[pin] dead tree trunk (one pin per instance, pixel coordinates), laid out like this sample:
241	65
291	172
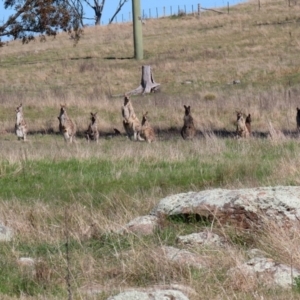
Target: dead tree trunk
148	85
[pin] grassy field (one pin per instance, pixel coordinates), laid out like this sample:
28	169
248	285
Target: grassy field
82	193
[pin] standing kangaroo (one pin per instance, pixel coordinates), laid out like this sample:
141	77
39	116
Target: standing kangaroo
188	130
20	126
248	124
131	123
92	133
66	125
241	127
298	119
147	131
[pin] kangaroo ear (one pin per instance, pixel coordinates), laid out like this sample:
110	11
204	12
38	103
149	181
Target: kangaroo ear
185	107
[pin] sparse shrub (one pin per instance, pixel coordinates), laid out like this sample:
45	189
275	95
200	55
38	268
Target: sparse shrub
297	284
210	97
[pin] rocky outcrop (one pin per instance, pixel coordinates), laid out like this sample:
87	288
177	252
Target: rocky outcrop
244	208
263	270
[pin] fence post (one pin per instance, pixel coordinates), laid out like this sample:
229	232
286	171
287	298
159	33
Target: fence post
149	13
185	9
228	7
199	10
156	13
192	9
178	9
171	10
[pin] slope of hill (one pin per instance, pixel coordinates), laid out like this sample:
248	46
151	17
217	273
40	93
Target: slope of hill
64	202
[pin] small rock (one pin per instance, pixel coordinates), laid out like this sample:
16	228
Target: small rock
183	257
6	234
143	225
202	238
26	261
266	270
156	295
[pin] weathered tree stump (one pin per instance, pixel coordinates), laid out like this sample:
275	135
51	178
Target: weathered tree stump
148	85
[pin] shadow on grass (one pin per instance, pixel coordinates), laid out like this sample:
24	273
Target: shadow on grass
114	57
167	133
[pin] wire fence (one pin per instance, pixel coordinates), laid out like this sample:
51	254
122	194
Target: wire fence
168	11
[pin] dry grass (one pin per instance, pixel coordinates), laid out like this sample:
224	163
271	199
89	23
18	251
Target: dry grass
195	61
211	52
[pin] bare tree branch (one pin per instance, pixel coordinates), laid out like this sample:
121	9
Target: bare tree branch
121	3
46	17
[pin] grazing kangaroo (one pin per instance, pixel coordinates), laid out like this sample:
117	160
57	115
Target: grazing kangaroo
298	119
131	123
188	130
147	131
66	125
241	128
92	133
248	124
20	126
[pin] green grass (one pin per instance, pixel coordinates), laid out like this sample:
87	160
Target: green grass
103	186
57	180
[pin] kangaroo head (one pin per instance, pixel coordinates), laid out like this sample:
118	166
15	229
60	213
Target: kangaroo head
248	119
239	115
187	110
93	117
19	108
126	99
298	110
62	108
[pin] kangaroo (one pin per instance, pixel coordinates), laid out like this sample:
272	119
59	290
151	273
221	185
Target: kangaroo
92	133
20	126
131	123
147	131
241	128
248	123
66	125
188	130
298	119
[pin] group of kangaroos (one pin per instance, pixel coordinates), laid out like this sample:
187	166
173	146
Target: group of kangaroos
135	130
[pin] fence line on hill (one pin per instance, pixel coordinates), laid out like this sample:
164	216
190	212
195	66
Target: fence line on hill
168	11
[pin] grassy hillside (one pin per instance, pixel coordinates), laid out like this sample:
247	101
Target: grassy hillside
258	47
51	191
